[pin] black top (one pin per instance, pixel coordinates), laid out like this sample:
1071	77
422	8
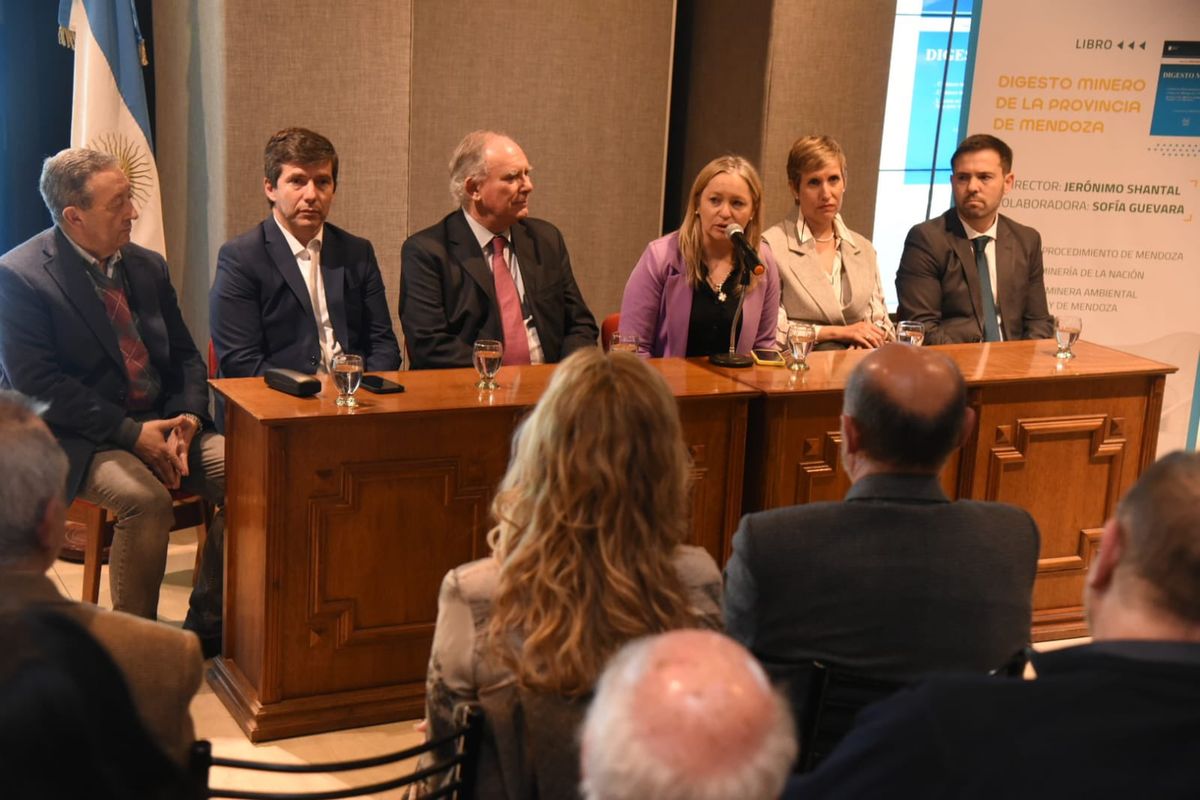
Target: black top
708	328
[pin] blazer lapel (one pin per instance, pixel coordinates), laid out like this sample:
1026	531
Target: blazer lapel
285	262
143	299
531	275
808	273
67	267
859	279
466	251
1007	282
333	273
966	262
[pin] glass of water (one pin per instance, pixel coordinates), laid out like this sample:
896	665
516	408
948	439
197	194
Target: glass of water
488	355
347	375
1066	332
910	332
801	337
623	343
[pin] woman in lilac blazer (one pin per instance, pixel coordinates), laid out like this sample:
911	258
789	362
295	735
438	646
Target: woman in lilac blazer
681	297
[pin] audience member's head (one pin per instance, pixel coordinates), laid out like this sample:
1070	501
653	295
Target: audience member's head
1145	581
33	476
68	725
905	410
588	518
686	715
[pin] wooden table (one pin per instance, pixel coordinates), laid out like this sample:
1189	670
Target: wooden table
342	522
1063	440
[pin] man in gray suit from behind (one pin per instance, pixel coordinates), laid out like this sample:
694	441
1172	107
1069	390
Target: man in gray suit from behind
895	581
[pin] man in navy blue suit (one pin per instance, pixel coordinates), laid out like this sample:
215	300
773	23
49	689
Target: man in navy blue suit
294	291
90	325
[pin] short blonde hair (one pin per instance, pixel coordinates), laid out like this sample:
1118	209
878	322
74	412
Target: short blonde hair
690	236
811	153
588	518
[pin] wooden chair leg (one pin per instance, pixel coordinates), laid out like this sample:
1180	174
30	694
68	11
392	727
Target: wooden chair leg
93	547
201	538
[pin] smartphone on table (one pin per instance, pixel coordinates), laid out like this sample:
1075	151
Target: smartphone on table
380	385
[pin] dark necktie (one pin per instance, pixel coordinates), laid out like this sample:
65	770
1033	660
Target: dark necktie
516	339
990	329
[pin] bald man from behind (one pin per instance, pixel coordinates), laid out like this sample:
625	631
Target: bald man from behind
686	715
895	581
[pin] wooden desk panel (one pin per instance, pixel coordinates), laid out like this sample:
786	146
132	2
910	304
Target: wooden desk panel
1062	440
342	522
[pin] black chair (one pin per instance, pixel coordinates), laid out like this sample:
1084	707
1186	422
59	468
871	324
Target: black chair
834	696
460	769
833	700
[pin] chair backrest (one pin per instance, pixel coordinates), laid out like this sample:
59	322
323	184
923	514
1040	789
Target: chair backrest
212	360
827	706
610	325
459	770
830	705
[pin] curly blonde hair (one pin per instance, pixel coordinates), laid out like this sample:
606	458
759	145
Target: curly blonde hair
588	518
691	239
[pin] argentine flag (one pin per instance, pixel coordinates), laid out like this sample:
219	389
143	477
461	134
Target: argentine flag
109	111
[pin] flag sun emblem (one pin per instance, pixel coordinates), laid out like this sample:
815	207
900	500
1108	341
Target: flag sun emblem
134	161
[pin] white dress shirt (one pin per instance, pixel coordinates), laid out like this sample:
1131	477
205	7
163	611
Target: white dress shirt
990	253
308	261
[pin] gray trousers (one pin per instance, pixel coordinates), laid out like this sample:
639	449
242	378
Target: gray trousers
122	483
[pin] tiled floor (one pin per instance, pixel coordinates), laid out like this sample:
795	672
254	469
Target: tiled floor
214	723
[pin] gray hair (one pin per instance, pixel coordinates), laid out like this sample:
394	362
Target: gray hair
468	161
33	471
617	764
65	176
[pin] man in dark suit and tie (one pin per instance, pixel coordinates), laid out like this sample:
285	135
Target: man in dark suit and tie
89	324
972	274
1119	717
895	581
294	291
489	270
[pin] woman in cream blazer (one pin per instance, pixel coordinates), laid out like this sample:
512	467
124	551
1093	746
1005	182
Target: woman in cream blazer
828	273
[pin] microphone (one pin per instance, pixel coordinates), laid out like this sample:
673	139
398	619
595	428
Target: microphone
750	258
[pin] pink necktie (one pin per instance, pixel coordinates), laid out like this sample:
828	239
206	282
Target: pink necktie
516	341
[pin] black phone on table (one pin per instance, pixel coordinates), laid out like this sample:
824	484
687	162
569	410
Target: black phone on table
380	385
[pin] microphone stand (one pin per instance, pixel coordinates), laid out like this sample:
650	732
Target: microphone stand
732	358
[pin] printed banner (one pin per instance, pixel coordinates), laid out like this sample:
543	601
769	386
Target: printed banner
1101	105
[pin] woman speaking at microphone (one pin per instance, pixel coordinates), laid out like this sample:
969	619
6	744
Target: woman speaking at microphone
683	294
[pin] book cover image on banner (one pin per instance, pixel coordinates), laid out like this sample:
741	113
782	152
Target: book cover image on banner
1177	100
1101	105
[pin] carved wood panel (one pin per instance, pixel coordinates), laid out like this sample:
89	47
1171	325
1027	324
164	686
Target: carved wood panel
433	512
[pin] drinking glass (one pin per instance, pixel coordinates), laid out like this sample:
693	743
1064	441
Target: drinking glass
801	337
347	375
1066	332
623	343
909	332
488	355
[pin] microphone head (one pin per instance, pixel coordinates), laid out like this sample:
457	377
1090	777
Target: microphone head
733	229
